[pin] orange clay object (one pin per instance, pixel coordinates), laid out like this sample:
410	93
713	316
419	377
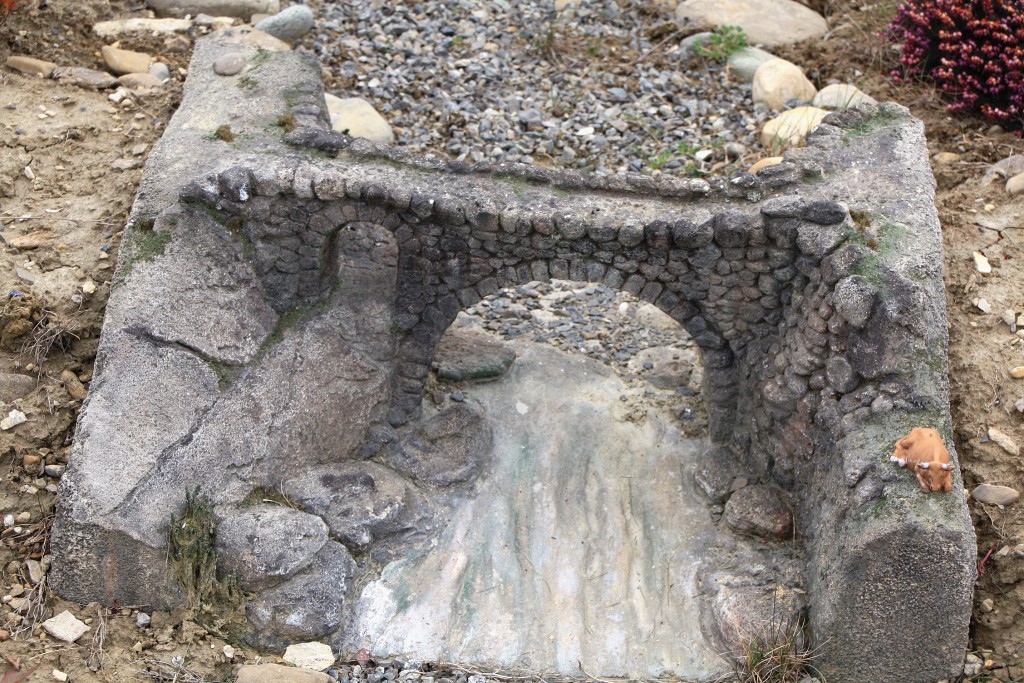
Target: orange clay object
923	452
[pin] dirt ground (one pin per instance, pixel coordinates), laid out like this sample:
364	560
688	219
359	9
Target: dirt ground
70	162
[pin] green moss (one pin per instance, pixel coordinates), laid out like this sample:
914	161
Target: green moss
260	58
880	120
144	245
883	241
225	372
193	559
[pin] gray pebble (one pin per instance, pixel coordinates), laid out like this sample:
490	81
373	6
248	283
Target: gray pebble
289	24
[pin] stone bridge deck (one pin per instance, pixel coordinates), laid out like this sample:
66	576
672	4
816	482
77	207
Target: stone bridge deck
283	288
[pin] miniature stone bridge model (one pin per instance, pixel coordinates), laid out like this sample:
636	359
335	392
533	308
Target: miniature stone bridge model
282	289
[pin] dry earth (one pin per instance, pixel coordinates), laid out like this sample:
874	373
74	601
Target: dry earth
63	205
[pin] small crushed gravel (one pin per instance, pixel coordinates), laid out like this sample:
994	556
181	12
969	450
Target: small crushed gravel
600	88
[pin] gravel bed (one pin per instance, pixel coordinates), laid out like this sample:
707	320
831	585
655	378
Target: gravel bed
600	89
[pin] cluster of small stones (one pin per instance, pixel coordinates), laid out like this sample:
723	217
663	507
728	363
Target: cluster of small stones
593	87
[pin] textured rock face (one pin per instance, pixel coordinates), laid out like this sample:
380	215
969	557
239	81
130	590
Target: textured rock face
281	300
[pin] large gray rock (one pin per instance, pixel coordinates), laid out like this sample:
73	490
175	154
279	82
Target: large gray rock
450	448
289	24
767	22
756	616
308	606
264	544
468	355
360	501
217	8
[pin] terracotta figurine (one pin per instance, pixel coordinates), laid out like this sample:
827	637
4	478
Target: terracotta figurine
923	452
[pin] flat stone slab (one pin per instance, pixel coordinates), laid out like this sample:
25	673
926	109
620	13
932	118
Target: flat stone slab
566	534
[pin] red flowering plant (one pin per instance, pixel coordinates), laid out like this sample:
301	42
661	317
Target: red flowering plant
973	49
6	7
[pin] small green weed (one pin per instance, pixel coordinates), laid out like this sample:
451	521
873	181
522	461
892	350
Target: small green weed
724	41
193	559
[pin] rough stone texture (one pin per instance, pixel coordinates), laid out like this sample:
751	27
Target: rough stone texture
310	605
313	655
264	544
276	673
281	298
217	8
449	448
746	613
65	626
289	24
574	496
356	117
759	510
361	502
464	355
768	22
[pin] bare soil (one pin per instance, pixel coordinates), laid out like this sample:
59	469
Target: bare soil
63	207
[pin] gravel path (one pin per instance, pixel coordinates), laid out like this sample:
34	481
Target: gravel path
598	89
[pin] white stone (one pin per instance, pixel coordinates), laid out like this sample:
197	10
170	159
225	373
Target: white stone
995	495
983	305
1003	441
981	263
313	656
766	22
59	675
841	96
13	419
218	8
359	118
117	27
1015	185
65	626
789	128
744	63
778	81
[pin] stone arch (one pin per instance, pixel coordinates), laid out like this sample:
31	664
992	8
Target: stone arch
819	367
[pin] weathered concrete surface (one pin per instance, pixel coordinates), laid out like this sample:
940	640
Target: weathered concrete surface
561	556
280	307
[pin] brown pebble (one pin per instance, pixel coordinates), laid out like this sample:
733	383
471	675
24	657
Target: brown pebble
4	636
23	517
30	462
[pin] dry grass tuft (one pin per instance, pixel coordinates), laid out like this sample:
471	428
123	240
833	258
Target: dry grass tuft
778	654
